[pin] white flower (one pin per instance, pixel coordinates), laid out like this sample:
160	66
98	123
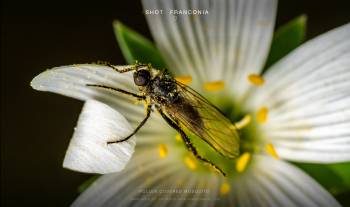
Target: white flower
303	105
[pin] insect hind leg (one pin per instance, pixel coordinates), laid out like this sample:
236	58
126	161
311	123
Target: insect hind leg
188	142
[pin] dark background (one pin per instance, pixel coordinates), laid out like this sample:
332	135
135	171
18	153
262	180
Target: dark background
36	127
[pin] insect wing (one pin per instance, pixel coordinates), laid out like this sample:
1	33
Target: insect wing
211	125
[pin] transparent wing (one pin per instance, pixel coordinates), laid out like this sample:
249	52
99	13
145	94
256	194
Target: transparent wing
200	117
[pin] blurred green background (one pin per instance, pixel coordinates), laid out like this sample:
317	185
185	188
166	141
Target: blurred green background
36	127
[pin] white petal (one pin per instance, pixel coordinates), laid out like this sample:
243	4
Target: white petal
88	150
228	43
308	96
273	182
268	182
145	172
71	81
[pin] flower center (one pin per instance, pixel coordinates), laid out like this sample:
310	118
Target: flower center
247	123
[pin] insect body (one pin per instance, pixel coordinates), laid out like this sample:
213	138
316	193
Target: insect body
183	109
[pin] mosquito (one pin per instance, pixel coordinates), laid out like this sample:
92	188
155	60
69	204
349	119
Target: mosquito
182	108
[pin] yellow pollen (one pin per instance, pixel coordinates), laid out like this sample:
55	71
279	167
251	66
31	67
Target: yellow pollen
225	188
270	149
137	102
178	137
145	105
190	162
262	115
243	122
163	151
242	162
214	86
256	79
184	79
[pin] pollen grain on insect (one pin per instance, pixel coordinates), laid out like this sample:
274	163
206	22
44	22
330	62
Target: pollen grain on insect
184	79
262	115
145	107
225	188
137	102
242	162
214	85
163	150
256	79
270	149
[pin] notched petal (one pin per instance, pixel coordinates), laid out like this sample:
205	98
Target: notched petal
88	150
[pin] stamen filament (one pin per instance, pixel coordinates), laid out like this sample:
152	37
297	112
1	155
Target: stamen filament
243	122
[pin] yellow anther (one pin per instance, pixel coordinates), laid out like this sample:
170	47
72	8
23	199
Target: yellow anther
256	79
270	149
178	137
163	151
214	86
243	122
242	162
225	188
190	162
184	79
262	115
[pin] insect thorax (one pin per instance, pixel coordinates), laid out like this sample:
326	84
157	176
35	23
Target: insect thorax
163	89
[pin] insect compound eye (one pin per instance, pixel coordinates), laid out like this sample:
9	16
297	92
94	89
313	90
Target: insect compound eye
142	77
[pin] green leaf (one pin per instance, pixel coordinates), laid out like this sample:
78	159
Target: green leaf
286	39
136	47
334	177
87	183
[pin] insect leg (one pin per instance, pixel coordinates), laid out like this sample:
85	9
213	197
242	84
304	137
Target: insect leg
131	68
149	107
188	142
117	89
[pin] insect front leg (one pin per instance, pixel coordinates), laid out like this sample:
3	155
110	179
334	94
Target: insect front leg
148	114
188	142
118	90
125	70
